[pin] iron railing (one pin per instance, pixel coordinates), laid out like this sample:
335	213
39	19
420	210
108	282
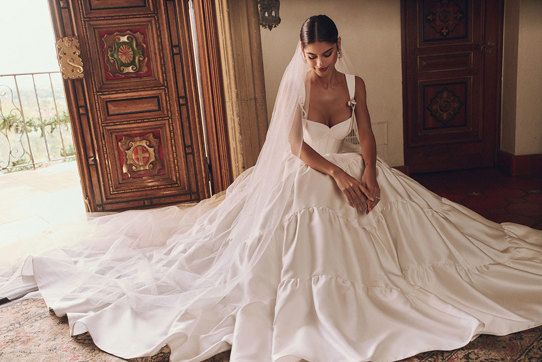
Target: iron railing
34	123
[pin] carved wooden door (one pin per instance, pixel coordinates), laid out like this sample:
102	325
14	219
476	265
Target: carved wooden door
451	72
134	113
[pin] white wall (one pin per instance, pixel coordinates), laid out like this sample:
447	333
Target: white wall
521	112
509	76
529	80
371	35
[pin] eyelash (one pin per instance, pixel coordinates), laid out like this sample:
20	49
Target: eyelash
325	55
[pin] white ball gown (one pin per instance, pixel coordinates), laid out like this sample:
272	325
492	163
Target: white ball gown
329	283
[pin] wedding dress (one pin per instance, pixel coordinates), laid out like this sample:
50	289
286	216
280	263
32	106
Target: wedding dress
300	276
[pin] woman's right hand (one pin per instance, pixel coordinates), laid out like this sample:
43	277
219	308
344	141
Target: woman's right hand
353	189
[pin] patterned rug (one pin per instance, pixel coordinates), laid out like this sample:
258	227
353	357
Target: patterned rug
29	332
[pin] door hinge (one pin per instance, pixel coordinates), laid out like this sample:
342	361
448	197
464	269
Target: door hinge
210	177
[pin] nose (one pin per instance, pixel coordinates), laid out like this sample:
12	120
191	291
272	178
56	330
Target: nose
319	62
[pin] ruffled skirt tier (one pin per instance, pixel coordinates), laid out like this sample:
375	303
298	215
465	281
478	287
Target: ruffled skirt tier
417	273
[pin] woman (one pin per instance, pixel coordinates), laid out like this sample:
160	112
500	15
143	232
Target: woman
330	96
312	254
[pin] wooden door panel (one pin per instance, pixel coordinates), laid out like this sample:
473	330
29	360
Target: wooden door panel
444	62
97	8
135	40
136	106
447	122
446	112
133	106
445	20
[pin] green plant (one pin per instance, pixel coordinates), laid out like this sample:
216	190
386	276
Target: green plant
16	124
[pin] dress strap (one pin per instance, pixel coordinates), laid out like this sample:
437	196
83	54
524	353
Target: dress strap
351	83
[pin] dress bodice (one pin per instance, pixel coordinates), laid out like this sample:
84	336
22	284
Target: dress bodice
324	139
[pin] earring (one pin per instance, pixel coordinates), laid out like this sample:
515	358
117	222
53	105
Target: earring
339	53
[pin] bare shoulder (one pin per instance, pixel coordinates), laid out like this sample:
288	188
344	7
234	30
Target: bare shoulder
360	87
359	81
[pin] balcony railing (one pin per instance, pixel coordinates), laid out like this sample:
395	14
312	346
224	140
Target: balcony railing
34	123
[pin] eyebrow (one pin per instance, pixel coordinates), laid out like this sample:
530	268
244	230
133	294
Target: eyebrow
322	52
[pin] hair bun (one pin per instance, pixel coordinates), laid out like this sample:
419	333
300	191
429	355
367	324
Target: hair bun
318	28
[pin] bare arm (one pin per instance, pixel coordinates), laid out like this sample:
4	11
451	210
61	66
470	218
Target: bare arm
368	144
353	189
314	160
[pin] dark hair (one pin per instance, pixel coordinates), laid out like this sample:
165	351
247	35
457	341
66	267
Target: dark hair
318	28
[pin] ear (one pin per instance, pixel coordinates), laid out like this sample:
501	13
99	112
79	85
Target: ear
338	43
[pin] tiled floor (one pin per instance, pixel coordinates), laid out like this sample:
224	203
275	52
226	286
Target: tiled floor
491	193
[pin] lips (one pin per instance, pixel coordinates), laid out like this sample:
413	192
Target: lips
321	70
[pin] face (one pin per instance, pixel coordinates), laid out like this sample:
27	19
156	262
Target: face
322	56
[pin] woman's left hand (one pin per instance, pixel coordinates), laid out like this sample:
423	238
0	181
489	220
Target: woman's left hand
368	179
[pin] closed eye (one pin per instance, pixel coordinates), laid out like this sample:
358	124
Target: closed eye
326	54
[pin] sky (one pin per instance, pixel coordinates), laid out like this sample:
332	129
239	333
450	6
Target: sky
27	41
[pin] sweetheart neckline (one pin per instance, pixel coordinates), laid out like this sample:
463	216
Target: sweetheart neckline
328	127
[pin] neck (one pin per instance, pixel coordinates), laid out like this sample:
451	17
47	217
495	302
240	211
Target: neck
326	81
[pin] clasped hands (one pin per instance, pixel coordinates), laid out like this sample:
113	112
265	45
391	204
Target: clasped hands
363	195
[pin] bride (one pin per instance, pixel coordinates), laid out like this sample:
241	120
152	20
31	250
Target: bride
318	253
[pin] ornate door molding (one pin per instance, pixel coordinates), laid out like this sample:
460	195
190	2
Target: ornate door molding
451	83
135	114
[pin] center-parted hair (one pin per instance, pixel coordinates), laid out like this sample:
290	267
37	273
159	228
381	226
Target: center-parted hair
318	28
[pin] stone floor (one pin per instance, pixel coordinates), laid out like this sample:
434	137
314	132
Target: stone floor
36	201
